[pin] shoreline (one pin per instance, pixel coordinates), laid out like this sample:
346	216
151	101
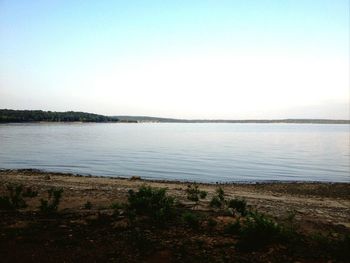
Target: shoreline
97	233
168	181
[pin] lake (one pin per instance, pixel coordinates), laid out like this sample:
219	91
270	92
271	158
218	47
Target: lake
203	152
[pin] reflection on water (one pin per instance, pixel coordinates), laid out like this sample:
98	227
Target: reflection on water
200	152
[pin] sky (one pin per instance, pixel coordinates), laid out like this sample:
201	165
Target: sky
257	59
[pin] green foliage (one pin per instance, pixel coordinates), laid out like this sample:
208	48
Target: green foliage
258	231
191	220
218	200
215	202
203	194
240	205
38	115
220	194
15	198
51	204
88	205
194	194
151	202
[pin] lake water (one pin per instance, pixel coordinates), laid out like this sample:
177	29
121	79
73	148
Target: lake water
191	152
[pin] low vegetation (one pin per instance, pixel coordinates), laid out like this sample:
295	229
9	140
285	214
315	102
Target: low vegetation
151	202
141	219
15	198
51	204
239	205
191	219
194	193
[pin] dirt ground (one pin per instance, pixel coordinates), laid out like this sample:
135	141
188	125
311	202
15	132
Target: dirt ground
95	235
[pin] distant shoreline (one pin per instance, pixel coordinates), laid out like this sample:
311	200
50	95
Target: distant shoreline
39	116
342	122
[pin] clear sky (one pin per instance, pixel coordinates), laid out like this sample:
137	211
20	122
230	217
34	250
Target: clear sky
187	59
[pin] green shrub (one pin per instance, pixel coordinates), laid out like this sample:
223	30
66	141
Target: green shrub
14	200
151	202
194	194
191	220
203	194
51	204
240	205
215	202
218	200
258	231
220	194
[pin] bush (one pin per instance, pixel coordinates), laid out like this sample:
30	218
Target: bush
258	231
191	219
220	194
151	202
51	204
194	194
215	202
203	194
218	200
240	205
15	198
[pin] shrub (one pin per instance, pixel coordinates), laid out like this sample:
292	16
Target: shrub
152	202
215	202
14	200
203	194
218	200
240	205
191	219
51	204
220	194
258	231
194	194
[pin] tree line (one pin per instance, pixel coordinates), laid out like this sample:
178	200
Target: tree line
51	116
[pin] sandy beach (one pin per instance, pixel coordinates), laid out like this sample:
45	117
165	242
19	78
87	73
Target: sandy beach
322	208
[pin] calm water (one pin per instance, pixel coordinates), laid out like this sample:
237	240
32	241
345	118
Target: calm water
196	152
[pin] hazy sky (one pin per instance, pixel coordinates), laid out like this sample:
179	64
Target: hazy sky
188	59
